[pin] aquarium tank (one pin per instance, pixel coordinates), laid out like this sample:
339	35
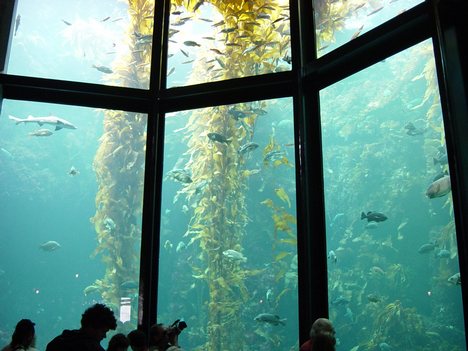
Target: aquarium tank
72	180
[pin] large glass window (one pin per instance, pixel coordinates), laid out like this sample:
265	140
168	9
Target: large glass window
104	42
338	22
393	271
217	40
71	181
228	262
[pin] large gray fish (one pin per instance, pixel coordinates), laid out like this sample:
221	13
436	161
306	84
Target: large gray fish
270	319
439	188
59	123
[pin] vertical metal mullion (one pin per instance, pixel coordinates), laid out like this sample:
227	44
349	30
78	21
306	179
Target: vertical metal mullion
149	263
451	55
7	11
312	262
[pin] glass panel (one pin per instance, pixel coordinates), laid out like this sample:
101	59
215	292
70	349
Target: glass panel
210	41
104	42
71	190
393	270
228	262
338	22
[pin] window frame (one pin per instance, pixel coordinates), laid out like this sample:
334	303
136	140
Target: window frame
440	20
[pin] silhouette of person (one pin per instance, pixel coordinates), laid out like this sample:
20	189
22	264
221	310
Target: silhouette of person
137	340
23	338
163	338
322	336
119	342
96	321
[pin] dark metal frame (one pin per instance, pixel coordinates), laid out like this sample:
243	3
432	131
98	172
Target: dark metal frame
442	20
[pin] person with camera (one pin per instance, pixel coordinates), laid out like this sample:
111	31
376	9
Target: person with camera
164	338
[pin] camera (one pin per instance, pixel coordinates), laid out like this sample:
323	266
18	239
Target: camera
178	326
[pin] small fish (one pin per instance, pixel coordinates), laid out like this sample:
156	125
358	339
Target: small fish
412	130
67	23
218	138
375	11
197	5
443	254
41	132
105	19
170	71
237	114
270	319
273	156
248	147
73	171
356	33
191	43
180	175
374	298
217	24
184	52
426	248
455	279
216	51
234	255
49	246
374	216
103	69
439	188
17	23
332	256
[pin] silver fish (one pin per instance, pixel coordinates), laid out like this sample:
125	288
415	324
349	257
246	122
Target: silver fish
234	255
50	246
270	319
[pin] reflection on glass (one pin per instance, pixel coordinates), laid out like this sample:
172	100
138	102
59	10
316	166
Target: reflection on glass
61	166
211	41
338	22
103	42
393	268
228	262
